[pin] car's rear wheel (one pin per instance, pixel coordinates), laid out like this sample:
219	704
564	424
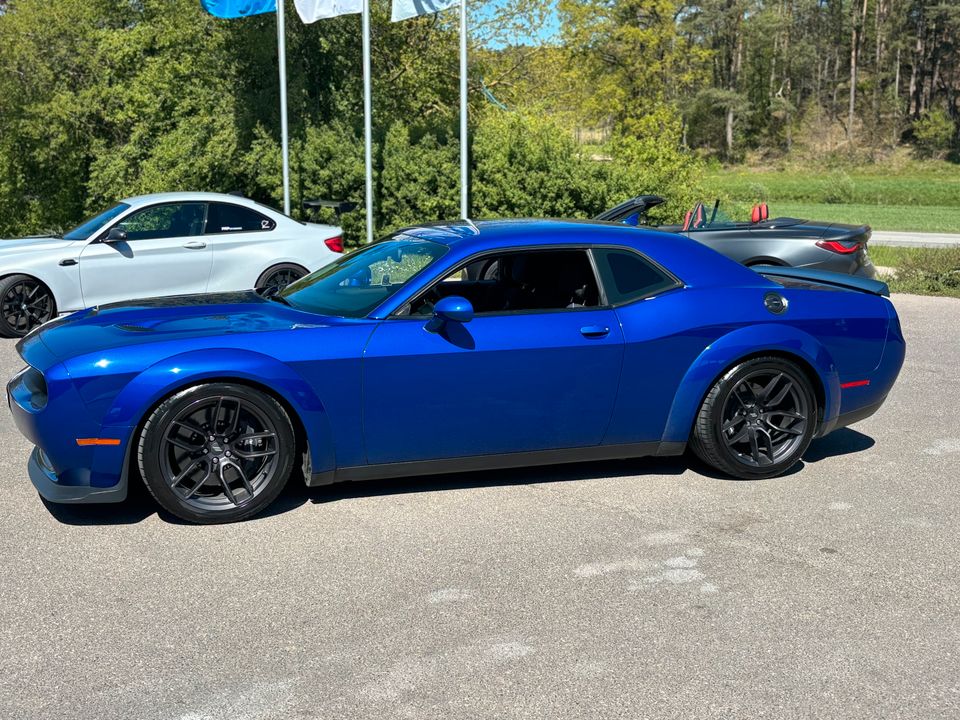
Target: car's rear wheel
757	420
279	276
218	452
25	303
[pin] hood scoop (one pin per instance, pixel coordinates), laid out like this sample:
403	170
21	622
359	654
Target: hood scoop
133	328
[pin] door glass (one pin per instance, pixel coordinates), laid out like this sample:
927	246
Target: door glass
227	218
173	220
519	282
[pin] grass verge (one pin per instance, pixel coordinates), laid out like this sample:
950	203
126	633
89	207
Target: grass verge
921	271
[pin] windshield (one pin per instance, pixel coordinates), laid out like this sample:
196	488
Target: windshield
93	225
357	283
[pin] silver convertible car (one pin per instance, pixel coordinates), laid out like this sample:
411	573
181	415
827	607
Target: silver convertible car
157	245
781	241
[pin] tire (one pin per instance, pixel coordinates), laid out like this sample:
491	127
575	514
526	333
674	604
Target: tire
25	303
217	452
281	275
757	420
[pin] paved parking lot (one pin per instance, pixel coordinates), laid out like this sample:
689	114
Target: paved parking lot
624	589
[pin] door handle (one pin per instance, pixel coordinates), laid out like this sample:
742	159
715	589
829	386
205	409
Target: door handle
67	262
195	245
594	331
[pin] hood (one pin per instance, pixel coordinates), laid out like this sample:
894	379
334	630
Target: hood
45	242
183	317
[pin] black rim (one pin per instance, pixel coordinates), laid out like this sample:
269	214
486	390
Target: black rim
219	453
283	277
26	305
764	417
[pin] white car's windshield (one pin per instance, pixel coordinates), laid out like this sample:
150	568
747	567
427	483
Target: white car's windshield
93	225
359	282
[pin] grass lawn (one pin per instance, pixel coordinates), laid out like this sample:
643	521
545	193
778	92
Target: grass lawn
919	218
923	271
905	195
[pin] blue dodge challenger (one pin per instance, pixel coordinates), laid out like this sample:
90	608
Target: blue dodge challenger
465	346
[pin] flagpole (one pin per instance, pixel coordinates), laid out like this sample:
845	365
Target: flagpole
282	62
464	143
367	120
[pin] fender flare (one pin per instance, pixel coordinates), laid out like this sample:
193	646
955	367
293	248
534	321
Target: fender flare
746	342
149	387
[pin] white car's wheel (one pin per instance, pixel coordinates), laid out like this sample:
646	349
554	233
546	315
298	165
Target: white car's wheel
25	303
280	276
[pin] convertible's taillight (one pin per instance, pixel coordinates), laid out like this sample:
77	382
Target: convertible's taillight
838	247
334	243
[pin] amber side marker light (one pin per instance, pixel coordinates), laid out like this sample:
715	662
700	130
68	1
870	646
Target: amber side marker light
84	442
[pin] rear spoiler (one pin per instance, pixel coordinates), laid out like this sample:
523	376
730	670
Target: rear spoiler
338	206
825	277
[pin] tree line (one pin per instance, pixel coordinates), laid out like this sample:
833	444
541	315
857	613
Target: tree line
101	99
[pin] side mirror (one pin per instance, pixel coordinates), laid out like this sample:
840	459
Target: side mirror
116	234
450	309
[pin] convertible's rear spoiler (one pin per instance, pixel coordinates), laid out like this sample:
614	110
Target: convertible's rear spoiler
825	277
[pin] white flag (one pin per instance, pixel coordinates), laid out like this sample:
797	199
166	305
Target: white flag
313	10
403	9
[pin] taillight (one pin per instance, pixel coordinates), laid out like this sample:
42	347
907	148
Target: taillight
838	247
334	243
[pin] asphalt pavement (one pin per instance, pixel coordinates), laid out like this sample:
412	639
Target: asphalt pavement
915	239
640	589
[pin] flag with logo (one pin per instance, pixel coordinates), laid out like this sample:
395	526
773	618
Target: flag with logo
403	9
238	8
313	10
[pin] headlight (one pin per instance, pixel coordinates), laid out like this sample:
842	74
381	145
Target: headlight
29	385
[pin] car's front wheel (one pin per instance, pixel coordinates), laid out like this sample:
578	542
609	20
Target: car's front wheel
217	452
757	420
25	303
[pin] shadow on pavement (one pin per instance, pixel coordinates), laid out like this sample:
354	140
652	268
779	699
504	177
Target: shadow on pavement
844	441
138	506
605	470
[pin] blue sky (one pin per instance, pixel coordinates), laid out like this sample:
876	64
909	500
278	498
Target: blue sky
546	32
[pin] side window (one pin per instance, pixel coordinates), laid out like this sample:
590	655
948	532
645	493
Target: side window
519	282
628	276
227	218
172	220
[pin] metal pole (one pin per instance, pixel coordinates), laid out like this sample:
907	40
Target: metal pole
282	54
367	119
464	144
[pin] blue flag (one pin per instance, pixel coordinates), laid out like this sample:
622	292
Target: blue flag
238	8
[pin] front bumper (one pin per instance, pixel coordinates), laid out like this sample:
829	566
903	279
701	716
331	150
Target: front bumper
45	480
52	416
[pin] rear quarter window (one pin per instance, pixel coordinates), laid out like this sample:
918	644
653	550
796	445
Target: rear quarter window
627	276
227	218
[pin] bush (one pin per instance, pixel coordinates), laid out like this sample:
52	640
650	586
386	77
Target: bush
932	133
928	271
529	166
840	189
420	180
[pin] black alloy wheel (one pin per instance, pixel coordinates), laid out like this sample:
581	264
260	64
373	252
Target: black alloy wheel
757	420
280	276
25	303
217	453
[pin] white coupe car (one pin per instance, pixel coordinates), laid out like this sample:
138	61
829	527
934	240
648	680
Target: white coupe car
155	245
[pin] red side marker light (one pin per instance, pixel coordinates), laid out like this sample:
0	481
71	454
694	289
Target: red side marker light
86	442
838	247
334	243
853	384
